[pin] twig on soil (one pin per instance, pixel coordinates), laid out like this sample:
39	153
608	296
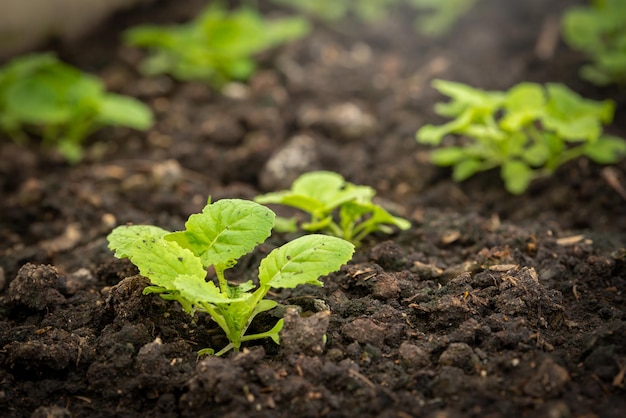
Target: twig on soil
548	38
609	174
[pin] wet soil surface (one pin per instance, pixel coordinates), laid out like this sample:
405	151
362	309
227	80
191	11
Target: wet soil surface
490	305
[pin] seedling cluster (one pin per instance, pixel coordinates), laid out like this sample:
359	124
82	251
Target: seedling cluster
322	193
39	93
599	30
176	264
527	131
216	47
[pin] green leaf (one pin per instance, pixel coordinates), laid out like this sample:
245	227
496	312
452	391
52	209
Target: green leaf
606	150
159	260
448	156
304	260
225	231
517	176
470	95
124	111
197	290
573	117
524	103
466	169
36	101
537	154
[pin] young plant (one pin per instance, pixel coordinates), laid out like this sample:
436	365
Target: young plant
527	131
599	31
442	14
176	263
62	104
216	47
330	10
322	193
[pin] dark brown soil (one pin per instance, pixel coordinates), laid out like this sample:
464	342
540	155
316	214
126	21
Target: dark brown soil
489	306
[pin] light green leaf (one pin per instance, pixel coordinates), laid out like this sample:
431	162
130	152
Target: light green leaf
304	260
36	101
159	260
466	169
124	111
448	156
225	231
517	176
197	290
606	150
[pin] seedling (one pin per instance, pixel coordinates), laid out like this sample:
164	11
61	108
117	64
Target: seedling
599	31
39	93
441	16
176	263
322	193
528	131
330	10
216	47
434	18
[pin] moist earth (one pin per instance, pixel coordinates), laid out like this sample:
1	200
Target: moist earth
490	305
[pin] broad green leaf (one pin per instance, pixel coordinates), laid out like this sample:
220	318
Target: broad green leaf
517	176
304	260
606	150
537	154
523	104
127	240
36	101
466	169
124	111
159	260
320	185
225	231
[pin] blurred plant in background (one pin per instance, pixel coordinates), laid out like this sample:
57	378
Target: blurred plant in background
42	95
599	31
216	47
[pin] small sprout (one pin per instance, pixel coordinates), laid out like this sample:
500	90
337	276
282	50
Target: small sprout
330	10
599	31
176	263
322	193
528	131
216	47
39	93
442	15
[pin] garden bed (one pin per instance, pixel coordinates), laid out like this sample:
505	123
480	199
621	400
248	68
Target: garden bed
490	305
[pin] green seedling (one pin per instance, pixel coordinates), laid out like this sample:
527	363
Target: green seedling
599	31
322	193
176	264
435	17
216	47
527	131
331	10
441	16
39	93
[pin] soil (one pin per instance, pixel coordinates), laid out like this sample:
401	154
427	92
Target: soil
490	305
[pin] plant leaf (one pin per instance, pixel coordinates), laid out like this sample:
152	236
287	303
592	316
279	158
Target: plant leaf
517	176
304	260
124	111
606	150
159	260
225	231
